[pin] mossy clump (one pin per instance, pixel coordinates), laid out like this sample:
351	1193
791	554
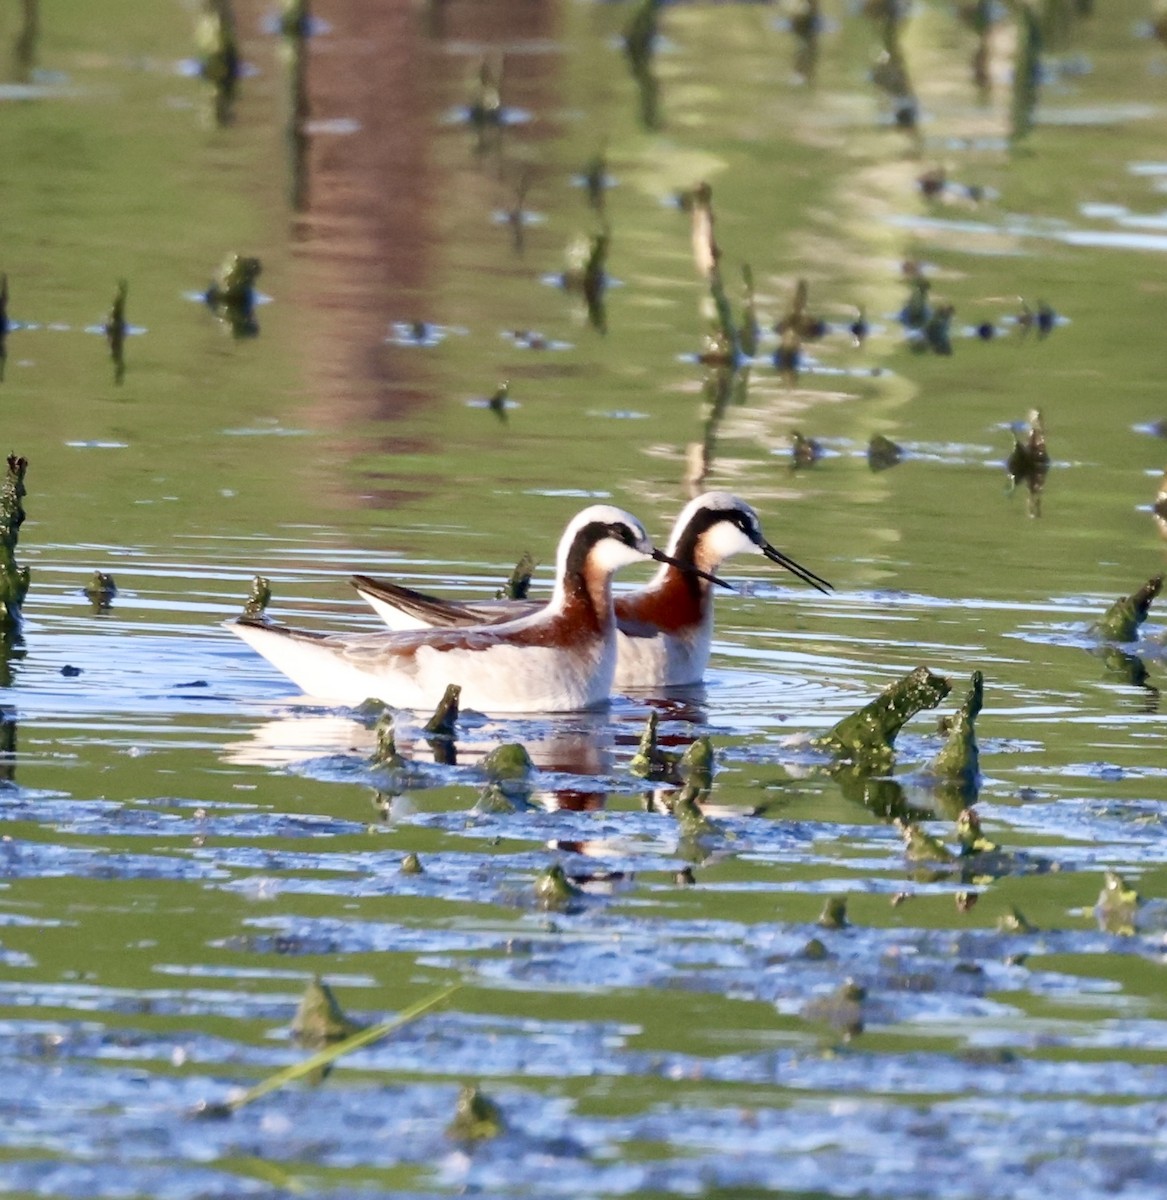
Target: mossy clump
868	735
508	764
319	1019
100	591
883	453
476	1117
554	891
14	579
518	584
1121	621
445	718
834	914
385	754
650	761
232	296
116	328
958	761
1117	906
258	598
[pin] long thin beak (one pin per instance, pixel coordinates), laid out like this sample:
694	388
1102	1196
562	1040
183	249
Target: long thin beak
806	576
689	569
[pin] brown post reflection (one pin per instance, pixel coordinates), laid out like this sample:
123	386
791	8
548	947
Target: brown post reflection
375	200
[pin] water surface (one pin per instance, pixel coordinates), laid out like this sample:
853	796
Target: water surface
186	843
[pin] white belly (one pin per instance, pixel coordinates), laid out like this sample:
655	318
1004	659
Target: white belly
502	678
666	660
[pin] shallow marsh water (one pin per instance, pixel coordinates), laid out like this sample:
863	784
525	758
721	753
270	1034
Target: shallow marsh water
186	844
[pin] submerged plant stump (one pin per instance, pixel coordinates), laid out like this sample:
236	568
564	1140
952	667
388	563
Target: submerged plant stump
476	1117
445	719
868	736
13	577
319	1019
519	583
1121	621
958	763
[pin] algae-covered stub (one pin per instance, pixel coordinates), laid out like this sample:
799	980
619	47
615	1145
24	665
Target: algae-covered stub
445	717
834	914
959	758
498	801
258	598
116	328
921	846
1121	621
696	764
814	950
1117	906
14	579
385	754
320	1019
804	451
554	891
968	833
693	825
476	1117
748	331
842	1009
1015	921
883	453
100	591
507	762
649	761
411	864
519	583
498	400
868	735
231	294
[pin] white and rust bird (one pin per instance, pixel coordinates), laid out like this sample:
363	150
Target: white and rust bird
665	628
556	657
